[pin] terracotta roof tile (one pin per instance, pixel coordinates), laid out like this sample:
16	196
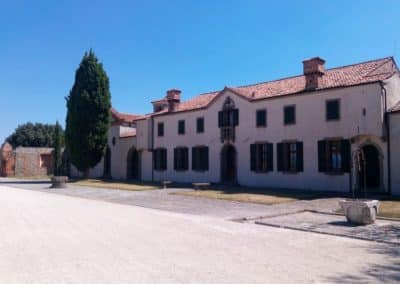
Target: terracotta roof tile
346	76
124	117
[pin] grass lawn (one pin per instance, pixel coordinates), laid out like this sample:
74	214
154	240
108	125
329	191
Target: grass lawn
256	195
389	208
115	184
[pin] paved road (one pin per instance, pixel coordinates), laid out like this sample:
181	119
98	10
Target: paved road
51	238
161	199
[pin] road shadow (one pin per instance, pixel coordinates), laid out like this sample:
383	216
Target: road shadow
389	271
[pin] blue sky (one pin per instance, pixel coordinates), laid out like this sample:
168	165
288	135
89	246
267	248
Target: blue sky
148	47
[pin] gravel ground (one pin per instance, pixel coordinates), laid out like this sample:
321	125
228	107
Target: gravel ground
161	199
51	238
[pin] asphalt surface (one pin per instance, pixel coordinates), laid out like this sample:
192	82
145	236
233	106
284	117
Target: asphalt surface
54	238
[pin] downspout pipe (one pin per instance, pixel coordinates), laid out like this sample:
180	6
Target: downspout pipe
386	121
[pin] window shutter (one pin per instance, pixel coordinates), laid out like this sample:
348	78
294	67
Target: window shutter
186	158
253	157
346	155
164	159
155	159
220	114
322	156
194	155
280	157
175	158
299	156
205	156
270	157
235	117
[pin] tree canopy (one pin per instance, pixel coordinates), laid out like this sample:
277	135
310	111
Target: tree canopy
88	114
34	135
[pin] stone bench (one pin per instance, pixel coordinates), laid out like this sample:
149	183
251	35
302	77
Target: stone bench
200	185
165	183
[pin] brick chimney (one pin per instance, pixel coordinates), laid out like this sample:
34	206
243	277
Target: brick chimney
313	69
173	98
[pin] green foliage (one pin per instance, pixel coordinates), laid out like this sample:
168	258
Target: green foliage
34	135
57	150
88	114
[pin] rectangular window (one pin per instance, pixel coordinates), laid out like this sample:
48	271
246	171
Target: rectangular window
332	110
160	159
290	156
261	118
181	158
334	155
200	158
289	115
160	129
181	127
45	161
200	125
261	157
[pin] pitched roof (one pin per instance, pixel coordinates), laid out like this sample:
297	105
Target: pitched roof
345	76
124	117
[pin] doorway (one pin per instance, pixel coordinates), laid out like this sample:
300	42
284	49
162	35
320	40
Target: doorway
133	164
228	164
371	177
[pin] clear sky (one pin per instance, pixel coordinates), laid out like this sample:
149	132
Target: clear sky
148	47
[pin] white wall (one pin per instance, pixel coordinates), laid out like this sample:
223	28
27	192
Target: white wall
395	151
310	127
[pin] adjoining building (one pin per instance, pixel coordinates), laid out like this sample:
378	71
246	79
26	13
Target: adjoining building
301	132
25	161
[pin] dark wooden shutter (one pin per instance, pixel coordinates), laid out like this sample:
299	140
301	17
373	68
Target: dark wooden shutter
270	157
220	118
205	158
280	157
346	155
322	156
164	159
253	157
299	156
175	158
186	158
194	156
155	159
235	117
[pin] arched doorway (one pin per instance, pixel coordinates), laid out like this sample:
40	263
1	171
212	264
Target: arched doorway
107	163
228	164
133	164
371	177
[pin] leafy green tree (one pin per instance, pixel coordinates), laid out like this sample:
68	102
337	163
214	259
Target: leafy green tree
34	135
88	114
57	150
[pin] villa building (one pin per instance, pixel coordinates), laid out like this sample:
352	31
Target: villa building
326	129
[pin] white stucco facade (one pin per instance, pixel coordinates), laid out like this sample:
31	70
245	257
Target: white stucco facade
362	121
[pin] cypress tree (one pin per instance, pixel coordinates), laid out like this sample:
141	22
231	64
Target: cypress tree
57	150
88	114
